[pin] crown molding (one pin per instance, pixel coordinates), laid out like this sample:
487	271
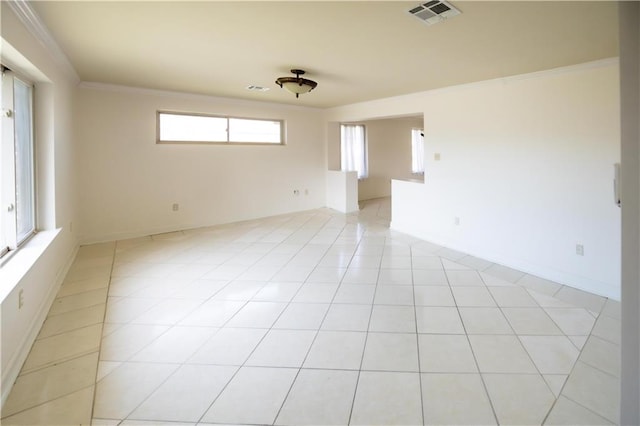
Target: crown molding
28	16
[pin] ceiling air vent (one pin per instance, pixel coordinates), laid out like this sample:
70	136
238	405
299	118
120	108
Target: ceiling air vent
434	11
255	88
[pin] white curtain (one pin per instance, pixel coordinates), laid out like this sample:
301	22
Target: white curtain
353	149
417	151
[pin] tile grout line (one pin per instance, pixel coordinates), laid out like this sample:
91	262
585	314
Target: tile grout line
58	361
47	401
61	333
364	347
95	381
586	408
415	316
473	354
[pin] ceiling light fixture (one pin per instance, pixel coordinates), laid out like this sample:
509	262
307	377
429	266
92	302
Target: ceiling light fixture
297	84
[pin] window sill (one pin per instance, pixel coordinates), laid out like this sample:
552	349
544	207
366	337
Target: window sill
14	266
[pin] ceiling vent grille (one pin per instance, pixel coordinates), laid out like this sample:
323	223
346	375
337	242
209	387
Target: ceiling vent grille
434	11
255	88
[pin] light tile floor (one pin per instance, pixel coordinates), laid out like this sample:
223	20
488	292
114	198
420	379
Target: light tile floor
314	318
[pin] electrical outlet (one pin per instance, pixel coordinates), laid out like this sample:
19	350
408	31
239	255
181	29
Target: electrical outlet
20	299
579	249
296	192
175	207
456	221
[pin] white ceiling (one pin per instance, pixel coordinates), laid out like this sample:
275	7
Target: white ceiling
356	51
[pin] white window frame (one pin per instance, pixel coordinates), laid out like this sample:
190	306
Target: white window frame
354	155
417	151
10	207
227	140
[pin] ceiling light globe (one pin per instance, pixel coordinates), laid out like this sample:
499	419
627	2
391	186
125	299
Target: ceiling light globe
296	85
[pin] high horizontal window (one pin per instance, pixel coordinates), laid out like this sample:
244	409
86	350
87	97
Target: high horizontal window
17	177
178	127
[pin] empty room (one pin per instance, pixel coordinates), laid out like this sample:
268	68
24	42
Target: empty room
319	213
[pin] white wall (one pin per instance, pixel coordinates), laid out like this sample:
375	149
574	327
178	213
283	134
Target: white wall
630	110
129	182
527	166
342	191
389	155
38	268
333	146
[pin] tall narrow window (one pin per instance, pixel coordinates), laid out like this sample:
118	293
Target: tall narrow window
17	180
417	151
353	149
25	185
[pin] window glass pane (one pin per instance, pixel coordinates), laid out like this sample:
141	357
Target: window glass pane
4	171
260	131
25	211
192	128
